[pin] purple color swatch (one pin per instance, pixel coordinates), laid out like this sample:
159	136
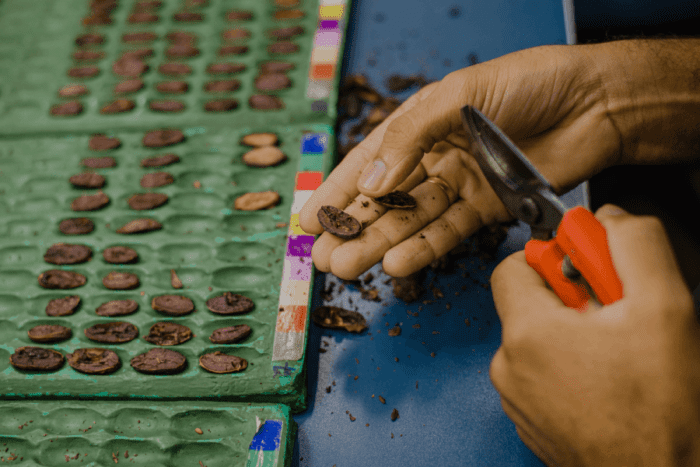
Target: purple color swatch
327	24
300	245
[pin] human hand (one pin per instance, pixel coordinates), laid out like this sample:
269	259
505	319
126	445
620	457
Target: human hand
547	99
616	385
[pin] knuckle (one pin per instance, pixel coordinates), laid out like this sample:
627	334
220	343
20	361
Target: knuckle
651	224
498	369
402	128
515	338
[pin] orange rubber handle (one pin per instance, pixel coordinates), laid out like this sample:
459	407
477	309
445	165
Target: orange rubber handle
546	258
583	239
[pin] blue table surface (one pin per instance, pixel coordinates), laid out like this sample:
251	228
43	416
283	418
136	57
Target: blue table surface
449	413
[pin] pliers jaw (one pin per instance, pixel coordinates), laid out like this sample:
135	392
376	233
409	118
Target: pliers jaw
569	248
524	191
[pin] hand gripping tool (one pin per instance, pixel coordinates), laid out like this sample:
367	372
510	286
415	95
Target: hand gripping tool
569	247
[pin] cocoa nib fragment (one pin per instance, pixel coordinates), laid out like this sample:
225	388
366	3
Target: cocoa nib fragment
168	333
94	361
397	200
230	304
140	226
333	317
163	138
36	359
339	223
58	279
64	253
219	362
231	334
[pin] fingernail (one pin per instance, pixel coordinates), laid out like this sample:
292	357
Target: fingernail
373	175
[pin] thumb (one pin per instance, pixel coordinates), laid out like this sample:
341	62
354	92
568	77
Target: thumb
643	256
410	136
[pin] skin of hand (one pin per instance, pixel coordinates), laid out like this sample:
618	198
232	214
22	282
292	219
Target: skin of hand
570	109
615	385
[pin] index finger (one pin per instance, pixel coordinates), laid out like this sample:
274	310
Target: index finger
341	185
519	291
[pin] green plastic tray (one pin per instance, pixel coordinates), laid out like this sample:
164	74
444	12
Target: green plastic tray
212	247
145	433
37	42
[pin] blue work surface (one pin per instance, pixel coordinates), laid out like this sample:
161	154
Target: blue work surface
435	373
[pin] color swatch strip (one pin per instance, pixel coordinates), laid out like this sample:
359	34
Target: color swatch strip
295	288
328	40
264	450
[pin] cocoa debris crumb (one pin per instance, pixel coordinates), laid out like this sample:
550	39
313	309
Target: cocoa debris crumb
382	400
395	331
339	318
174	280
394	415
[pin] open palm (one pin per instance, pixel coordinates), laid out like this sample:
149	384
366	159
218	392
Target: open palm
547	99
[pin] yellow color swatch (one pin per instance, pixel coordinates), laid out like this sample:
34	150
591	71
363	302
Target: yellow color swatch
331	11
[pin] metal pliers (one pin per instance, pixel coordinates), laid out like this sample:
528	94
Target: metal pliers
576	263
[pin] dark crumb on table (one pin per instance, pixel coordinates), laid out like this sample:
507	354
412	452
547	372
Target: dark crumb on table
394	415
397	83
409	288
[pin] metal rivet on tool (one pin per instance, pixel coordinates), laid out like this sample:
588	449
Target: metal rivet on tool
529	212
569	270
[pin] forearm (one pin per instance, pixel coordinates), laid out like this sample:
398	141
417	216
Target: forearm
652	92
